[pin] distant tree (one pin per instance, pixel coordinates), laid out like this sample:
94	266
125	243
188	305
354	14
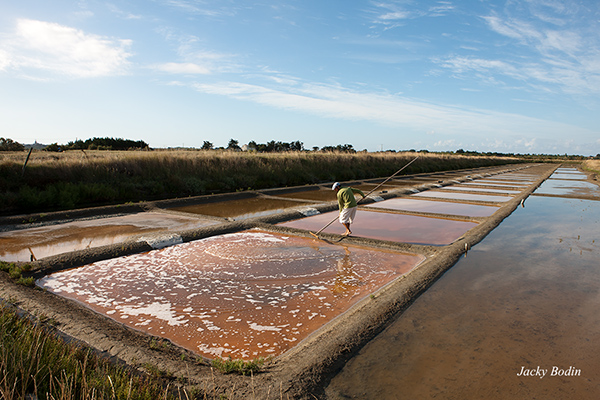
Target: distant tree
10	145
53	147
340	148
207	145
233	145
315	148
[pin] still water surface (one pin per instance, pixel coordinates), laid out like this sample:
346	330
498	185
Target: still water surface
526	297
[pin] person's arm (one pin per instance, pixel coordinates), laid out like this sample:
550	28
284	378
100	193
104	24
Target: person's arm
359	192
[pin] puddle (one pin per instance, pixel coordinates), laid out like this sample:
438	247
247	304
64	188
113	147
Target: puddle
242	208
436	207
239	295
462	196
568	188
527	296
50	240
487	190
393	227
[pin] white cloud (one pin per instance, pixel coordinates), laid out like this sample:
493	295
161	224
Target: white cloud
183	68
47	46
445	120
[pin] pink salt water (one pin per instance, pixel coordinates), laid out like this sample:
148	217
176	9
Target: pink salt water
240	295
390	226
435	207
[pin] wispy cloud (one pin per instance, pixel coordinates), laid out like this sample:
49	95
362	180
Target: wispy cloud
201	7
183	68
62	50
445	120
561	56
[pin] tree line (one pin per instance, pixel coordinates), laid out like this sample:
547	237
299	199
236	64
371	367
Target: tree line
272	146
100	144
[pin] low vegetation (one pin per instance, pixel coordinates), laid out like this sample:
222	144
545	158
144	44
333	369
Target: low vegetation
238	366
15	271
37	364
75	179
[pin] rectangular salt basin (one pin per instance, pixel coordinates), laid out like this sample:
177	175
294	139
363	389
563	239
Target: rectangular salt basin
569	176
472	189
50	240
487	182
242	208
324	195
462	196
436	207
568	187
389	226
241	295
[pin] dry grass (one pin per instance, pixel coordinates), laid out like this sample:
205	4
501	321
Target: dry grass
76	179
37	364
592	165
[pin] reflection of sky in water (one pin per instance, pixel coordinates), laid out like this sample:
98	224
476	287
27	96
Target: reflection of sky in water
242	295
568	187
527	295
472	189
568	176
436	207
462	196
485	182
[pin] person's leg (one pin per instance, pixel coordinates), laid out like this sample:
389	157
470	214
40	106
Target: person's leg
347	219
348	231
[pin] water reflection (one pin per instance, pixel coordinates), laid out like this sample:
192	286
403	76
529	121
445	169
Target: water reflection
462	196
392	227
528	295
242	208
436	207
568	187
45	241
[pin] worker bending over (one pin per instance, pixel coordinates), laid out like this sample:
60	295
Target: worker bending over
348	205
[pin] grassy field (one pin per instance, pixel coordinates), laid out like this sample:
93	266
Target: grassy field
37	364
75	179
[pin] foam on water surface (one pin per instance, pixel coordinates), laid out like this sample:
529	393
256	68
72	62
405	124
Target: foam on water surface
242	295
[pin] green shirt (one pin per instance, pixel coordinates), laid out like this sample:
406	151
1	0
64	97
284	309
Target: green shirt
345	197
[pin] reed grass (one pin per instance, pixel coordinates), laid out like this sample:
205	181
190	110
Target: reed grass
74	179
37	364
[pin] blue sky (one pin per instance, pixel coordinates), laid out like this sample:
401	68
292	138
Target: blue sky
509	76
